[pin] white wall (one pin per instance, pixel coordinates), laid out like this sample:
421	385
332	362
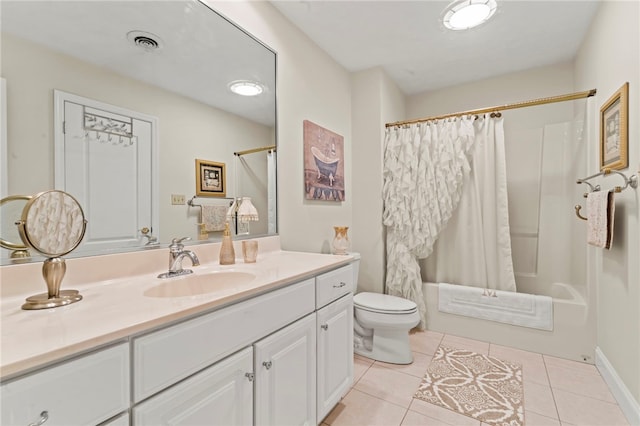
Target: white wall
610	56
188	129
376	100
311	86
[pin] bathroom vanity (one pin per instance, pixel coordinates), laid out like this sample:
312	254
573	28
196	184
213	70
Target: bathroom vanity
273	349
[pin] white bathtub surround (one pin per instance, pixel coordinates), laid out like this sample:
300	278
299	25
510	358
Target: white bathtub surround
478	236
424	167
527	310
571	317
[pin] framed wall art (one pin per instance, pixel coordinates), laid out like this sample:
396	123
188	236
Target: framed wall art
323	163
614	131
211	180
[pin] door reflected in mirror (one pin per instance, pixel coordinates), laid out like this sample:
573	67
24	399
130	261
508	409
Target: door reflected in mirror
183	83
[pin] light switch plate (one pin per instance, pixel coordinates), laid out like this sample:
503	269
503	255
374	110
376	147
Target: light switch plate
177	199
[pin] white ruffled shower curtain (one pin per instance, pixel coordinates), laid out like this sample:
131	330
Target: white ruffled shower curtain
426	167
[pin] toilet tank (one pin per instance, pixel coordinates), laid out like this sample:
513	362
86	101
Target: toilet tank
356	268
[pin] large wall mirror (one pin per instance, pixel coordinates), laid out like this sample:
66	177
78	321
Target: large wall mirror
114	101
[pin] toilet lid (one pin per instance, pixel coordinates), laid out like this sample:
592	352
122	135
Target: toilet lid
376	302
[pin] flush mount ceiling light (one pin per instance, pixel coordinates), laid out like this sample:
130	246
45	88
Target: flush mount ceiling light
246	87
465	14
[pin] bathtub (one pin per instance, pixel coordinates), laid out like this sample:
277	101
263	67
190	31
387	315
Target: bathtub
573	335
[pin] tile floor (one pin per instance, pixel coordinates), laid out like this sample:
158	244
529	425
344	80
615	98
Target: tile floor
556	391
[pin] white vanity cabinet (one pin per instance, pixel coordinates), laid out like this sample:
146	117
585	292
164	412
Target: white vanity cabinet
285	369
279	357
221	395
334	300
84	391
166	356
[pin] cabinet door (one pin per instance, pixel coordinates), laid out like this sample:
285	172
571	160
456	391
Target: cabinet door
286	375
220	395
335	353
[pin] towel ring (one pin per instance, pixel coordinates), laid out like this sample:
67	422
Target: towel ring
578	207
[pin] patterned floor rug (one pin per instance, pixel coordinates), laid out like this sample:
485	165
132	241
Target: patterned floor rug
479	386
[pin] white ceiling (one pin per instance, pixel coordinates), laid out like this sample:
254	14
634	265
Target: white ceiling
408	40
201	51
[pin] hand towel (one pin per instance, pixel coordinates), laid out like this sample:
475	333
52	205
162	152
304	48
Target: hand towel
214	218
600	211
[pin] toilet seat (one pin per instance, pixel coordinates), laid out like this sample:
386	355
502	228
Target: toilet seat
384	304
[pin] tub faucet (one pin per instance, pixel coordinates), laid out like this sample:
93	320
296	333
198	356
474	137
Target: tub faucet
176	254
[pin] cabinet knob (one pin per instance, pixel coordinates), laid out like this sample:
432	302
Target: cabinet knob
342	284
324	326
250	376
267	364
44	416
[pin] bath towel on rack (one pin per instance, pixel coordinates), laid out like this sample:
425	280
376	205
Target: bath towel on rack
600	212
214	218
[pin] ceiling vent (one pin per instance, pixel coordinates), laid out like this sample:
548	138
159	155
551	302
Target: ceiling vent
144	40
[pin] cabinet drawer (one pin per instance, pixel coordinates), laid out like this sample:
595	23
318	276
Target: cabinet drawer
200	342
84	391
334	284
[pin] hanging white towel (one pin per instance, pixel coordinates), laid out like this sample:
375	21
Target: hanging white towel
214	218
600	211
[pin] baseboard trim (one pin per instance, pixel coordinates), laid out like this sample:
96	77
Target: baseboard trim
626	401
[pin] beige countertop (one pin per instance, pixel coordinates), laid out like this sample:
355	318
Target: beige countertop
115	309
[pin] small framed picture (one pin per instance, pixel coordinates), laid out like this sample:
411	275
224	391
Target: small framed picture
614	131
211	180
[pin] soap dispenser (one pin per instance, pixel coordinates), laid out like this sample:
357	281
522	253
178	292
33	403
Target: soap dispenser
227	253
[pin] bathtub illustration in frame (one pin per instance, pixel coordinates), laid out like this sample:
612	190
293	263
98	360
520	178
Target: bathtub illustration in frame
210	179
323	163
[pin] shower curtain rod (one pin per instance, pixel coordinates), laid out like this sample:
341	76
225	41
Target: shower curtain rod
251	151
541	101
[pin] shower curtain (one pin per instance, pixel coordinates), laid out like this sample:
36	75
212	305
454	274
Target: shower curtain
477	235
425	168
271	192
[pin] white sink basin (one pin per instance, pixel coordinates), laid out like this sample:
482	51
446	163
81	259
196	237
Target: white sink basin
194	284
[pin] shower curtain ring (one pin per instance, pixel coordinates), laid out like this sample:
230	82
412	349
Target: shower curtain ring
578	207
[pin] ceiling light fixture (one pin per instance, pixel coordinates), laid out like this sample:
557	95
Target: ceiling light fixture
465	14
246	87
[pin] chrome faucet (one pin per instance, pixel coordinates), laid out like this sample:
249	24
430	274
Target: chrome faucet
176	254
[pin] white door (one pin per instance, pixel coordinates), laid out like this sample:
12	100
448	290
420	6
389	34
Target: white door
220	395
104	157
285	366
335	353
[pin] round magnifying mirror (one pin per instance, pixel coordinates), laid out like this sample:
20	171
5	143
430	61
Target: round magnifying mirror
10	211
53	224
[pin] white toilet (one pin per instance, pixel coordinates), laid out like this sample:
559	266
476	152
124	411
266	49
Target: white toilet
381	325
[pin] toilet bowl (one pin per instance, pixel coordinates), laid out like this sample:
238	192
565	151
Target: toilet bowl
381	324
381	327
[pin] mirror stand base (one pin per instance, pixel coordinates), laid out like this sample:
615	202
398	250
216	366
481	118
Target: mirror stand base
43	301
